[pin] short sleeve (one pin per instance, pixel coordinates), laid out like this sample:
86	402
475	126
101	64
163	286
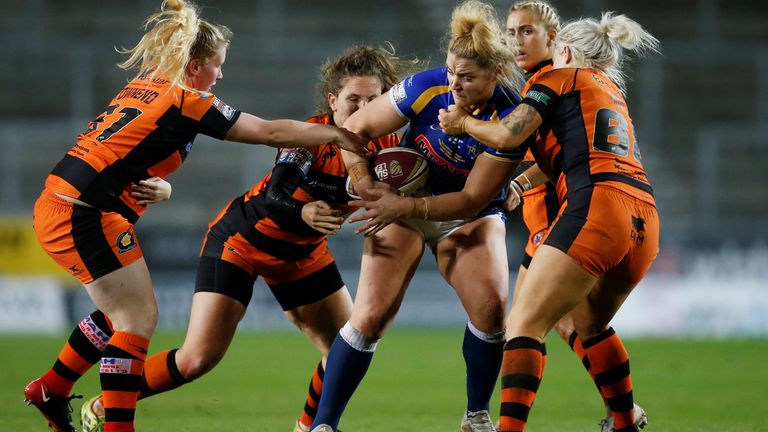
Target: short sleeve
219	118
415	93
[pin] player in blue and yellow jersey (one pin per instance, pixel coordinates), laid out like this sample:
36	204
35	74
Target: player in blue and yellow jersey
277	230
470	252
85	216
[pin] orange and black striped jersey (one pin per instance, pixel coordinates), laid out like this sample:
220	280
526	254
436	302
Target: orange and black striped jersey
588	136
147	131
320	175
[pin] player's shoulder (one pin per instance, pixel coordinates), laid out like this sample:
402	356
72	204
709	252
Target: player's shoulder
561	80
424	80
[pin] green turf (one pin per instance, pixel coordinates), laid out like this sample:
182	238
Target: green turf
416	383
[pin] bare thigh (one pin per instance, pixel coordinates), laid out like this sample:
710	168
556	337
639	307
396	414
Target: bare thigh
389	261
473	260
320	321
593	315
126	297
564	327
554	284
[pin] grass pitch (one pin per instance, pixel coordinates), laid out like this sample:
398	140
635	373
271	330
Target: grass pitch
416	383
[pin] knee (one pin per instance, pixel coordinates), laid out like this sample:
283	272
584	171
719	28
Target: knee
370	326
565	328
141	321
193	364
488	315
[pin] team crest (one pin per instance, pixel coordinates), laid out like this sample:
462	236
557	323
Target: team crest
226	110
125	242
538	237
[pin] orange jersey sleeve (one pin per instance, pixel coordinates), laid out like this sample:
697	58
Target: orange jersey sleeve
588	135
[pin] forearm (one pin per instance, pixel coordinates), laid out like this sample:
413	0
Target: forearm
507	134
531	178
292	133
444	207
250	129
491	133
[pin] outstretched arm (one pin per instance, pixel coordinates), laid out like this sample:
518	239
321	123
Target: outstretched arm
250	129
506	134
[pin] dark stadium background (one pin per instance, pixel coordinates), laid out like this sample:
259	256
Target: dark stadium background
700	110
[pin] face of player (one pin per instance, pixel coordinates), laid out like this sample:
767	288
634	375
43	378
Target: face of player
471	85
355	93
204	74
534	43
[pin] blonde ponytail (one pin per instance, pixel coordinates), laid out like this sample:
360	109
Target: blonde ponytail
476	34
172	38
601	45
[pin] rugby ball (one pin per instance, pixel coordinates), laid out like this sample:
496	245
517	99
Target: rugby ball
402	168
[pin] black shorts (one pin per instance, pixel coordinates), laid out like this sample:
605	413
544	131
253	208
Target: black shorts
223	277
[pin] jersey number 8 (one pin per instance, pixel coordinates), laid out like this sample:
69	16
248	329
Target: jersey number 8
612	134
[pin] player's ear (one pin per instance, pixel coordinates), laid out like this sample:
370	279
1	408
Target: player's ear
332	102
551	35
193	67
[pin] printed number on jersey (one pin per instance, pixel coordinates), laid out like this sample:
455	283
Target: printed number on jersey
127	115
612	134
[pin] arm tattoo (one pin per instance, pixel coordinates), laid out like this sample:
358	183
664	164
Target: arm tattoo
516	122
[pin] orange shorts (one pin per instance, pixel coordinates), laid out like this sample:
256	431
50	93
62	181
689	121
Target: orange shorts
235	254
86	242
539	210
609	232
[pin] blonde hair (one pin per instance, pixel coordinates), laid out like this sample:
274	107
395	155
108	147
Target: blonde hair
177	35
361	61
545	12
601	45
476	34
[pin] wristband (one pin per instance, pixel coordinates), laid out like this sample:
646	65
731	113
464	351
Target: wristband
426	208
516	185
525	187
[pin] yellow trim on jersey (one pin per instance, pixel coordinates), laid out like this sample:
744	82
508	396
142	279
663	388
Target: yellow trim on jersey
426	96
499	158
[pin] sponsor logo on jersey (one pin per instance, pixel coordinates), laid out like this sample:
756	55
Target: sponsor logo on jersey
125	242
227	111
398	93
75	270
598	79
638	230
299	157
537	96
93	333
114	365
